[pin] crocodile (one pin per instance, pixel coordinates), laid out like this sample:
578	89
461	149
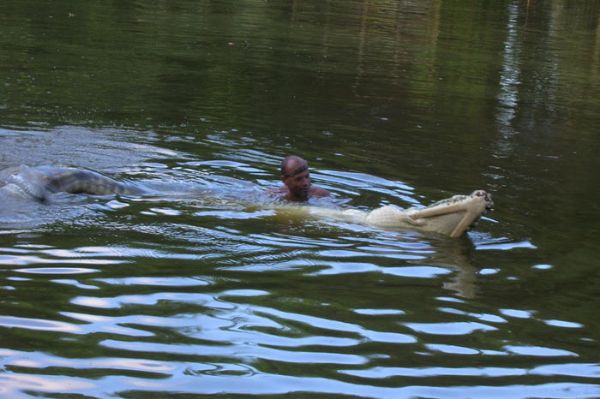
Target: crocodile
41	181
452	216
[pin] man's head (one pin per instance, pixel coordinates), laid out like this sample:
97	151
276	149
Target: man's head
296	176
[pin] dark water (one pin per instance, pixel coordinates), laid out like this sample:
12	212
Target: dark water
402	102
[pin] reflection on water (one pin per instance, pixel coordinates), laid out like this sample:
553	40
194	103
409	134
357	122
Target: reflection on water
197	291
508	98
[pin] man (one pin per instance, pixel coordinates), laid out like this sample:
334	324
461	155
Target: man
296	179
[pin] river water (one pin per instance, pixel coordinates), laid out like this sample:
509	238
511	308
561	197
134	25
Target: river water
392	102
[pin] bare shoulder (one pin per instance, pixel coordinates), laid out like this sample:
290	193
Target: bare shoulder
319	192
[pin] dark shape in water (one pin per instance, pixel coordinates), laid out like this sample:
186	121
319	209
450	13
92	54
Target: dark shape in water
39	182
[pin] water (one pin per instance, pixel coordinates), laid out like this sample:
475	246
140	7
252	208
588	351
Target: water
402	102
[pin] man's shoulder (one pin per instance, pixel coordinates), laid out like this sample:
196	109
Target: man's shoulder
319	192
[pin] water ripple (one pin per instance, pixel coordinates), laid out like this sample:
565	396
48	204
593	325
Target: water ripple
241	351
451	328
38	324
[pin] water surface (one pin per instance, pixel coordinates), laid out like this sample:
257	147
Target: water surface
401	102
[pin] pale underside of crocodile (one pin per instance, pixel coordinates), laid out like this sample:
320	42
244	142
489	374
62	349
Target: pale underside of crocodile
451	217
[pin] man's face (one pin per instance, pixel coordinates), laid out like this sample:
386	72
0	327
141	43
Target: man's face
297	179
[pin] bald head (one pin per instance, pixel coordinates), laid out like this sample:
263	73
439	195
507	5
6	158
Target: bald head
293	165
